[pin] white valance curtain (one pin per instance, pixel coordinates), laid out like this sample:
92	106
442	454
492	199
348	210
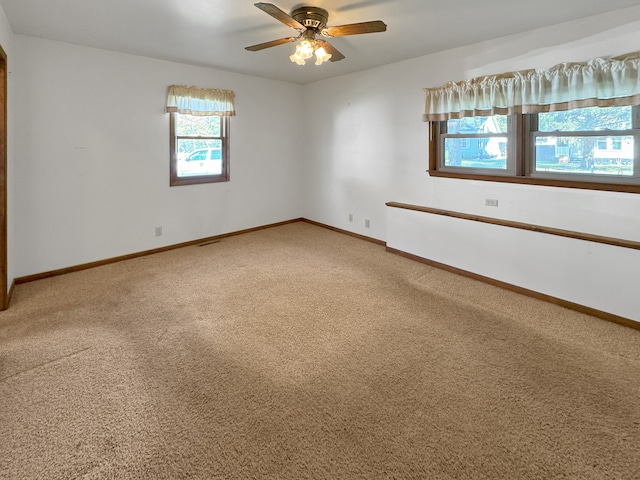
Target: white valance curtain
200	101
602	82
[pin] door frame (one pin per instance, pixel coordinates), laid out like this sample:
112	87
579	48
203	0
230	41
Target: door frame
4	294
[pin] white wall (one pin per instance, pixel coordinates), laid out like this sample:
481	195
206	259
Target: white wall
92	151
370	147
6	40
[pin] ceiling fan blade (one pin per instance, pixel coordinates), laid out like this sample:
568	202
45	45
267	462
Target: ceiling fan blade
273	43
355	29
278	14
336	56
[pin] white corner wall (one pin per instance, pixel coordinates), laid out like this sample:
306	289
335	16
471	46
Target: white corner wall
92	156
370	147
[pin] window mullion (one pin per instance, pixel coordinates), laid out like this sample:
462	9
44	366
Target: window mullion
635	117
180	137
518	140
635	124
474	135
581	133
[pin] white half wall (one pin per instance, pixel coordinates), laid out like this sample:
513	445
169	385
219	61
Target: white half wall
370	147
595	275
92	156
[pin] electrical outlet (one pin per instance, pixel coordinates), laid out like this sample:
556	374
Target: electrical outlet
351	217
491	202
367	224
158	231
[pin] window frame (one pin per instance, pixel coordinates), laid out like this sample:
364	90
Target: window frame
522	138
511	135
174	179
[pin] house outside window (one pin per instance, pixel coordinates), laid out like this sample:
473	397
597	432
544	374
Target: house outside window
595	136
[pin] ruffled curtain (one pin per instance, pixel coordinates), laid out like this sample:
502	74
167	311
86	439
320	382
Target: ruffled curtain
600	82
200	101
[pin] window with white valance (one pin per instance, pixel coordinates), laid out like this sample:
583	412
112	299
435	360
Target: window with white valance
190	100
199	131
602	82
576	125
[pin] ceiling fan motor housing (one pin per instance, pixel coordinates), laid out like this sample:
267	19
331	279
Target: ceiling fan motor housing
311	17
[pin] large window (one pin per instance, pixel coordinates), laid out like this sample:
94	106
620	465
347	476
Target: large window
199	134
592	145
199	149
587	143
575	125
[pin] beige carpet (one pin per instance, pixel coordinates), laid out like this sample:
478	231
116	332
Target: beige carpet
300	353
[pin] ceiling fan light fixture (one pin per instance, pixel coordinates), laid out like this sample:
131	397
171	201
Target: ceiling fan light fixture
322	56
306	49
297	59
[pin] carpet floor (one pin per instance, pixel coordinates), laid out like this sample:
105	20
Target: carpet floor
296	352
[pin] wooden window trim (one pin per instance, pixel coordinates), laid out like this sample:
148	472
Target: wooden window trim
175	180
524	127
550	182
440	131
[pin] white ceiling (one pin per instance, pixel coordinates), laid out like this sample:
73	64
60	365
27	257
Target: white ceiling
214	32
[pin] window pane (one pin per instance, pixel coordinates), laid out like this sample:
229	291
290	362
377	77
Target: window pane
586	119
610	155
199	157
191	126
492	124
476	152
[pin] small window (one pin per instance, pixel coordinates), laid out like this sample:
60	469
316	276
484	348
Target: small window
199	149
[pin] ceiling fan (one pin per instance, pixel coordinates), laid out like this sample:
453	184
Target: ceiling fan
309	22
